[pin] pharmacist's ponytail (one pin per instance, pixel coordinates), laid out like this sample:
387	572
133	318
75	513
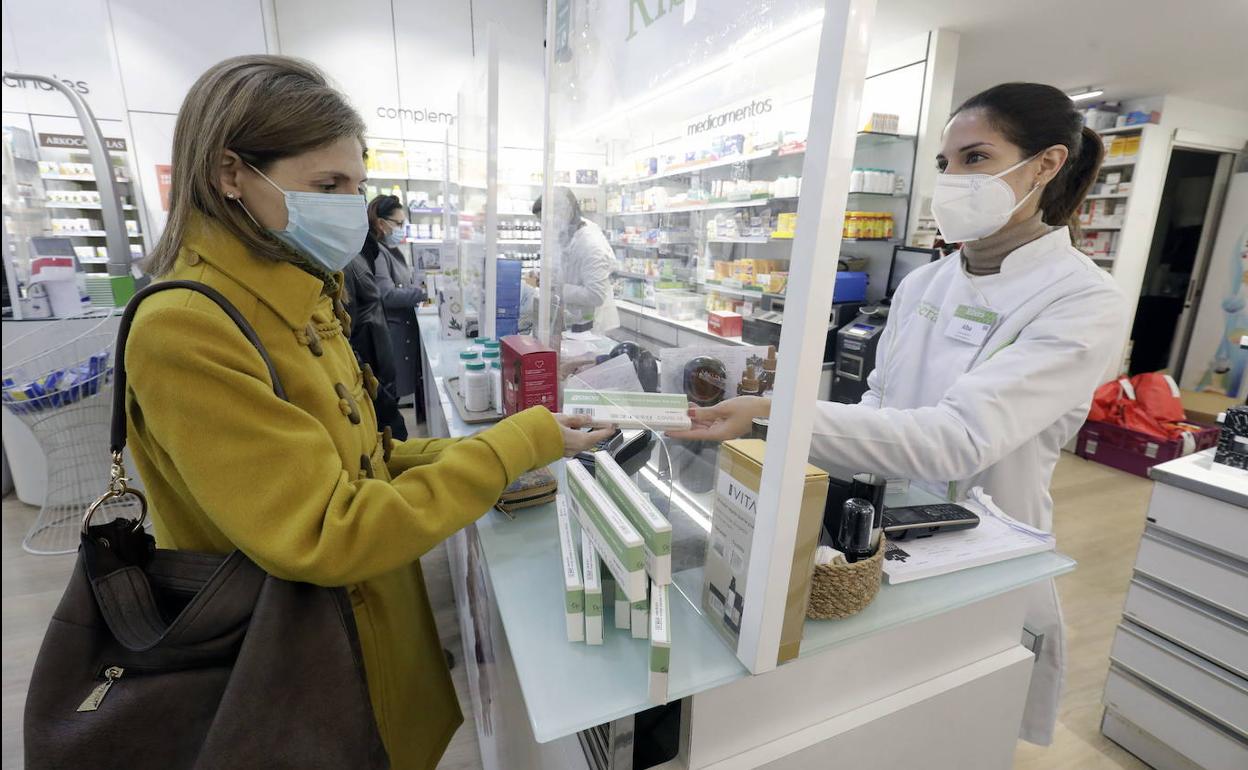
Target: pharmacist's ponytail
1035	117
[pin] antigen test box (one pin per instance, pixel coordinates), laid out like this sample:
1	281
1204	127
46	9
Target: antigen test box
640	619
593	590
656	531
624	409
660	643
618	541
573	588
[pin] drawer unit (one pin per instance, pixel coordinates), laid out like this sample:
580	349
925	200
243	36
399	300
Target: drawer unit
1206	688
1211	633
1213	578
1184	732
1216	524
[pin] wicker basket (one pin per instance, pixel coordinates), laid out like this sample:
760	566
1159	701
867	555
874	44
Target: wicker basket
841	590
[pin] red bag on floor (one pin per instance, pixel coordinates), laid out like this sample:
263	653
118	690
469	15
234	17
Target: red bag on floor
1158	394
1107	403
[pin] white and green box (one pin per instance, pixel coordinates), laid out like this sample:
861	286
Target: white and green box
640	612
593	590
624	409
660	643
622	608
618	541
655	529
573	587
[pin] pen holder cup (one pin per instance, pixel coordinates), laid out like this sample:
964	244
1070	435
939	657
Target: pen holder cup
841	590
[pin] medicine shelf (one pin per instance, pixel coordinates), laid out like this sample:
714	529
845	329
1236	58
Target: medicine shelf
1118	162
83	206
744	293
1121	129
1100	227
752	203
697	327
375	177
649	246
682	170
881	195
519	241
425	240
73	178
1108	196
89	234
749	240
424	211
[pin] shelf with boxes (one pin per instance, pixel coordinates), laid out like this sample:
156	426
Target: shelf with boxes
1103	213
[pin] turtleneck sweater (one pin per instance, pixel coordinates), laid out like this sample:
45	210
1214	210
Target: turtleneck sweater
984	256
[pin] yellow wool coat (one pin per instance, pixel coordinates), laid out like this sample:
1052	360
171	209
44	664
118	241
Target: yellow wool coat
308	489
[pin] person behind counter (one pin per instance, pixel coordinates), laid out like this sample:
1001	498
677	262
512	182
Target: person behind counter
587	261
268	166
987	365
400	293
370	336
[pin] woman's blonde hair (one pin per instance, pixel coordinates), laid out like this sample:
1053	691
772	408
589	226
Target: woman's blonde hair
264	108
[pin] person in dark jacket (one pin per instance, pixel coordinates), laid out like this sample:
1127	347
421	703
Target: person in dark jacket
370	339
400	294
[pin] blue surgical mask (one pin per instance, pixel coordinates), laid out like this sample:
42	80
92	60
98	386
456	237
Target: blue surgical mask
394	238
327	228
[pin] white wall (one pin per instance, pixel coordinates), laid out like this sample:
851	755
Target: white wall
402	62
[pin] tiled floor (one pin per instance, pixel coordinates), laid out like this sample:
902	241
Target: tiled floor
1100	514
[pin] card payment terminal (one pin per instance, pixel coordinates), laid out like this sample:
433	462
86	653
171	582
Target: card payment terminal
856	345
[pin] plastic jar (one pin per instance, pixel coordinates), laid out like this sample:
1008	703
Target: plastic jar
496	385
888	225
856	180
476	387
851	224
466	357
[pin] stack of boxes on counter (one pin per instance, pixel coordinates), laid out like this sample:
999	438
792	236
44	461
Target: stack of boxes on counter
612	522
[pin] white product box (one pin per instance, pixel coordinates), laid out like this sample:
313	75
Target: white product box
656	531
593	590
660	643
573	587
623	610
640	612
618	541
653	411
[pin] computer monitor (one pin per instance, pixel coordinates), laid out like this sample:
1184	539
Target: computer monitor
907	259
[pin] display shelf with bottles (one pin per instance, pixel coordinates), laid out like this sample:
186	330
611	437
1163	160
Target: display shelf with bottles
1103	214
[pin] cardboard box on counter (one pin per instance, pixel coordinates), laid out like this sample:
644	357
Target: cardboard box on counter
732	533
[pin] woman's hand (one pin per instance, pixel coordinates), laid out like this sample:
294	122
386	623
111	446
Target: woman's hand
730	419
575	441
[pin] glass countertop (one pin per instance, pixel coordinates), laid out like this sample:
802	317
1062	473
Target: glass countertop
568	687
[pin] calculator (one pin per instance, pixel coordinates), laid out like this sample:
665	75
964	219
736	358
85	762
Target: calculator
927	520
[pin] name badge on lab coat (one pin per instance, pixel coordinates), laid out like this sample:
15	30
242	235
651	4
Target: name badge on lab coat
971	324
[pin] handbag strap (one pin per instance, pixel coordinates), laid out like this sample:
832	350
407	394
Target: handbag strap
117	435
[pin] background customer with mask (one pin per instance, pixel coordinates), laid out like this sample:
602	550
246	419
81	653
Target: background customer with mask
400	294
586	265
266	208
988	363
370	338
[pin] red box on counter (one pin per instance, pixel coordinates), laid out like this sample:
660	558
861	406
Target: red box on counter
724	323
1134	451
530	374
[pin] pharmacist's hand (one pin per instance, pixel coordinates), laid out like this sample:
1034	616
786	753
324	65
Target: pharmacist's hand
727	420
575	440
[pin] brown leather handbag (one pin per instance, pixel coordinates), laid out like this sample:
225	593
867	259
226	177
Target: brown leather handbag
175	659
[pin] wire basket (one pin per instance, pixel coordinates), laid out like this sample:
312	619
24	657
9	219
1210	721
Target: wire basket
64	395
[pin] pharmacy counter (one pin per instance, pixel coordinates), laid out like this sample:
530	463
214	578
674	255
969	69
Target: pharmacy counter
928	669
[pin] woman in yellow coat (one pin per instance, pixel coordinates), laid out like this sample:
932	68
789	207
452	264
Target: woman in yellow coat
266	208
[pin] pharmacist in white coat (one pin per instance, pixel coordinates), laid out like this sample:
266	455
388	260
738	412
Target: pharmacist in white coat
585	267
990	356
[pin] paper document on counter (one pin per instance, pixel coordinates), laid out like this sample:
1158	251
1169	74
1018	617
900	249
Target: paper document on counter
997	538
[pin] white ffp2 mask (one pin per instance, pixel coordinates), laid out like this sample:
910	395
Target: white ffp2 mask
968	207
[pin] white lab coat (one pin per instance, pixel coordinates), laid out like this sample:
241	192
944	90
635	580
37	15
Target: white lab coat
994	414
587	265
